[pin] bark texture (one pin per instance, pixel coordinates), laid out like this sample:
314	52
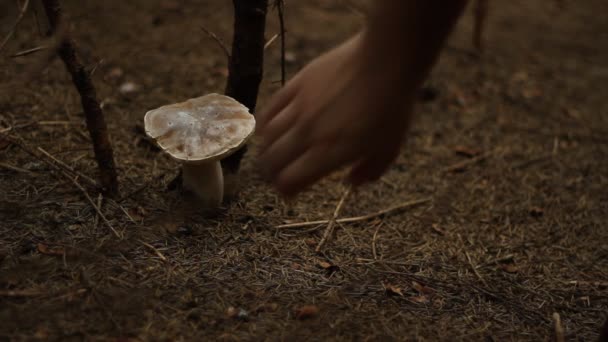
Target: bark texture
246	62
95	120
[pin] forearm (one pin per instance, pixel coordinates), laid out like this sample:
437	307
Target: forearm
407	35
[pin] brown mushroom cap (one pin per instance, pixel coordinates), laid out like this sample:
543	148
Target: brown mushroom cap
205	128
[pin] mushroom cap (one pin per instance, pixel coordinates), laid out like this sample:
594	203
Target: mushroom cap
202	129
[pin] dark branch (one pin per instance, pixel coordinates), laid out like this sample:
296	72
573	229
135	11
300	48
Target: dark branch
93	114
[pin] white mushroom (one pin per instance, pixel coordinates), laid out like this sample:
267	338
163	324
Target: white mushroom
200	132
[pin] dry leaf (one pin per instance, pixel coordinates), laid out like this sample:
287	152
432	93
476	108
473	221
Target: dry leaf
421	288
438	229
328	266
466	151
4	143
419	299
307	311
311	242
520	76
509	268
536	212
531	93
325	265
393	290
45	249
267	307
42	333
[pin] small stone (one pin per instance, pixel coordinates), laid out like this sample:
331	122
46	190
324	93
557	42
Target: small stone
128	88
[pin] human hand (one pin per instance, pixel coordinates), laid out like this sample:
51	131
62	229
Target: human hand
343	109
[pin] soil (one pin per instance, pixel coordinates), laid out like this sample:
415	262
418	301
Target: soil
510	148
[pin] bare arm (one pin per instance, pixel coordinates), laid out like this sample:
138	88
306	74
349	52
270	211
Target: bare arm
351	106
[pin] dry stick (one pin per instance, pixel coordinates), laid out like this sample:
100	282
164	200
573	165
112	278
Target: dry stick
481	14
67	168
29	51
156	251
95	120
20	293
218	40
66	174
280	8
55	165
86	194
374	239
270	41
332	221
96	220
357	218
14	168
475	269
559	329
14	28
460	166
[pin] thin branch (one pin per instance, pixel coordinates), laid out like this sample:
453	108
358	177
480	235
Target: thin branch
21	293
156	251
374	239
95	120
280	10
474	268
270	41
330	225
63	172
29	51
68	168
53	162
14	28
357	218
481	15
218	40
460	166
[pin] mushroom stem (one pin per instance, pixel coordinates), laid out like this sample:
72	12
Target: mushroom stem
206	181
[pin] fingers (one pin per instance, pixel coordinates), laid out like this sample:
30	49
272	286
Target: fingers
277	103
371	168
311	166
278	125
282	151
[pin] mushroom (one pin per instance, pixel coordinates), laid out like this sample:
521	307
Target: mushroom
200	132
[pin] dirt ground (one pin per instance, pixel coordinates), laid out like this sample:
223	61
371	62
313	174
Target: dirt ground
508	238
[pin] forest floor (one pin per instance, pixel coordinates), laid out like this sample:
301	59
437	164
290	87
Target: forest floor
510	150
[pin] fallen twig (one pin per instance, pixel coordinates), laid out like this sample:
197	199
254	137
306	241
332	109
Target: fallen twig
99	201
474	268
156	251
67	168
357	218
97	209
374	239
332	221
19	18
14	168
29	51
20	293
460	166
559	329
270	41
53	162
